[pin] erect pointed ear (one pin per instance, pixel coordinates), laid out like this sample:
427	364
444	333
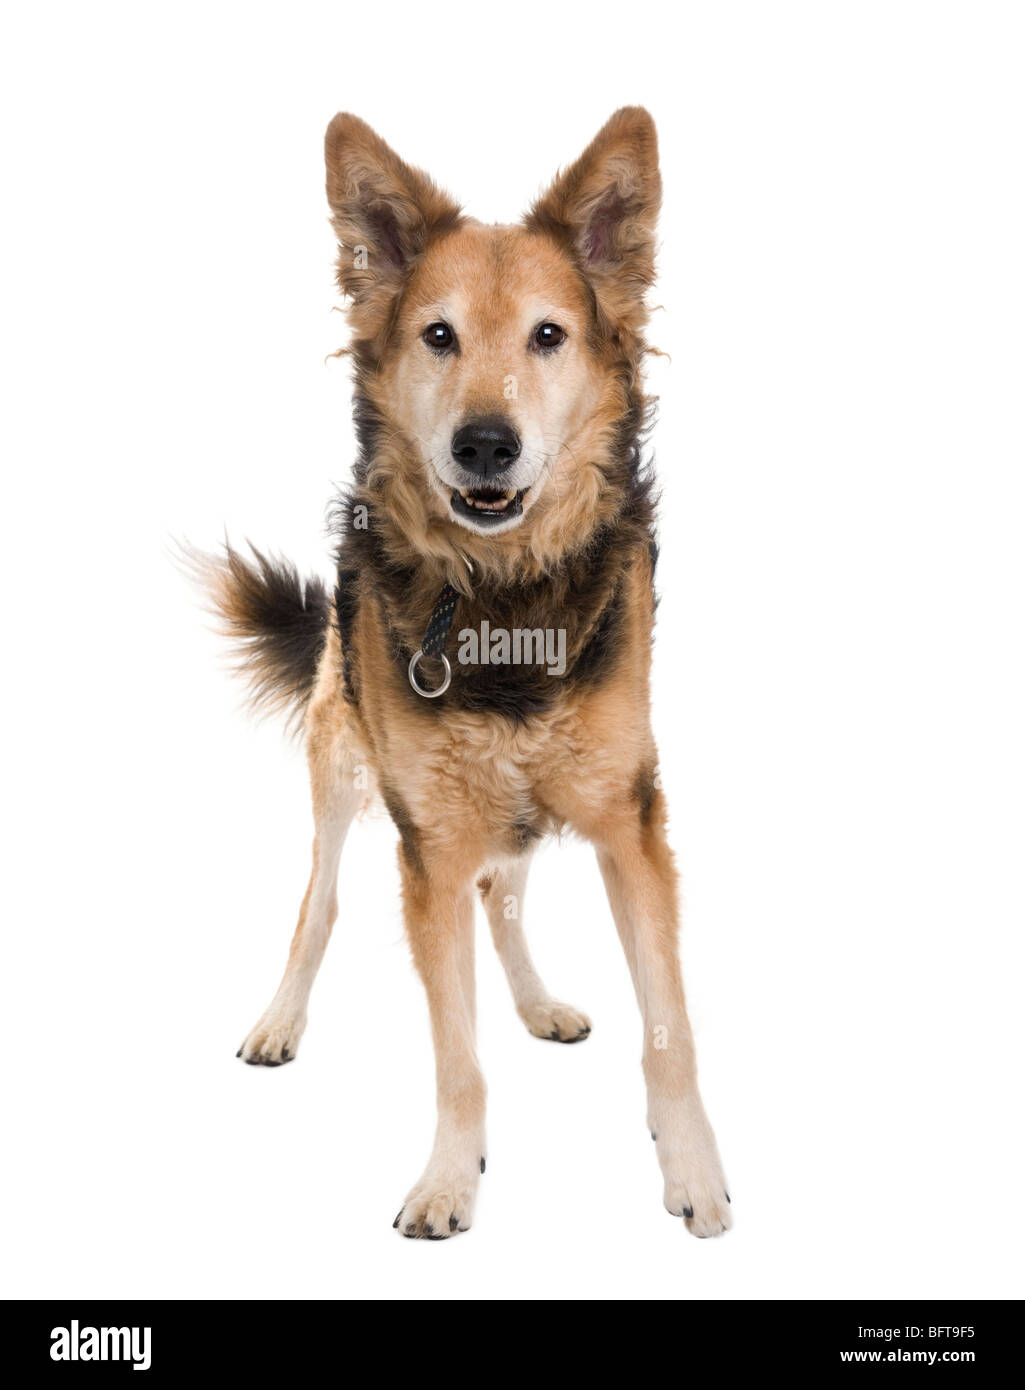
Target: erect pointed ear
384	212
604	207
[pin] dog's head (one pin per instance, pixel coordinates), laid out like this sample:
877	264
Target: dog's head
494	363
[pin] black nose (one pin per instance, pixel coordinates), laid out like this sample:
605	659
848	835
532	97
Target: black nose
485	447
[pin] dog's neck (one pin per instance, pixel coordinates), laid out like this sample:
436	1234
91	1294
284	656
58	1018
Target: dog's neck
579	596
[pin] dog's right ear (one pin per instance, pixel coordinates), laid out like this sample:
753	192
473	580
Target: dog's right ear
383	211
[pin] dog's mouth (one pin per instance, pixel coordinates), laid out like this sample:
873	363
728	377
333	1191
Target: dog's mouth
487	506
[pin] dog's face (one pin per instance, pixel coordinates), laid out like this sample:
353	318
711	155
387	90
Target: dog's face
490	370
494	358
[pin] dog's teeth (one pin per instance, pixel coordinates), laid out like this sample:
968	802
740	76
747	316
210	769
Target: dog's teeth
488	502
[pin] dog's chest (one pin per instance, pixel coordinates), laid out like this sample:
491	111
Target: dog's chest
491	777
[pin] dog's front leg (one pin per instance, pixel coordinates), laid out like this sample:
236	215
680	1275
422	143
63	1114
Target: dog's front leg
438	906
637	867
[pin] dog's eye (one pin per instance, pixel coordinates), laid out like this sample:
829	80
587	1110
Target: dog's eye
548	335
439	336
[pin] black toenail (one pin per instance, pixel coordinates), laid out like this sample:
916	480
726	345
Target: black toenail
410	1229
728	1199
654	1135
238	1053
688	1212
269	1063
554	1035
428	1229
482	1163
285	1054
252	1061
395	1223
453	1223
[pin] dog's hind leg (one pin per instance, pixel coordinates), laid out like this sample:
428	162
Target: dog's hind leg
339	783
502	891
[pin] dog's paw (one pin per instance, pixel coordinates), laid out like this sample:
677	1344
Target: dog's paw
702	1200
274	1040
441	1204
555	1022
695	1186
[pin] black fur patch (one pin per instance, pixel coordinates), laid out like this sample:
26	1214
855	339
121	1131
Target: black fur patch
346	607
408	833
281	621
524	834
644	793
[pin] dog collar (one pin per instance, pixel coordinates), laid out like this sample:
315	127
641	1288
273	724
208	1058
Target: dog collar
441	620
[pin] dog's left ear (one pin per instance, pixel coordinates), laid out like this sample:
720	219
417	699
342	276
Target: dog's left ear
604	207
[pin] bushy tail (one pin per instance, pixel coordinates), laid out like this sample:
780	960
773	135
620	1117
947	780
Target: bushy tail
278	623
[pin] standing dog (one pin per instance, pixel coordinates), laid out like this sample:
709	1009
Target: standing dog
483	662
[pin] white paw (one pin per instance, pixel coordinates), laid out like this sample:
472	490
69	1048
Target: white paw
441	1204
695	1186
274	1040
555	1022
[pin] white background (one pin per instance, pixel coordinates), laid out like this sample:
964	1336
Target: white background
839	672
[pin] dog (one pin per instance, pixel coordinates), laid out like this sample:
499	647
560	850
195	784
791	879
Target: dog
482	662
